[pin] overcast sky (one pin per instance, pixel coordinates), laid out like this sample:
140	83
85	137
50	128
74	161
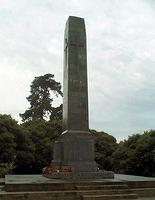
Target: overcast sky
121	57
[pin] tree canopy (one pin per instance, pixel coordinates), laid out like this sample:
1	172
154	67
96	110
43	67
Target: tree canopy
28	147
136	155
43	90
105	145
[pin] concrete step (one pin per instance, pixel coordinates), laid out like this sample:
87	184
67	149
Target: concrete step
66	195
144	192
2	181
21	187
77	194
105	192
109	197
47	195
1	187
141	184
101	187
84	183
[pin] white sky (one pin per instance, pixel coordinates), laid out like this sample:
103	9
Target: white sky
121	57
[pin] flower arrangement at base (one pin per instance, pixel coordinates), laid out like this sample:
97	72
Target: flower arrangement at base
55	169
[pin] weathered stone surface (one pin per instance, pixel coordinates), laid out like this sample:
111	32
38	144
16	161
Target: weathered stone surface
75	90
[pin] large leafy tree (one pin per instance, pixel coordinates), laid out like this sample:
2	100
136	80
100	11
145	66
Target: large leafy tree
43	134
25	150
43	90
105	145
136	155
8	128
16	147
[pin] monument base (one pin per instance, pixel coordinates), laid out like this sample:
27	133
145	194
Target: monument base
81	175
75	149
73	158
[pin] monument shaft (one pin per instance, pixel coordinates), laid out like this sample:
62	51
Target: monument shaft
75	90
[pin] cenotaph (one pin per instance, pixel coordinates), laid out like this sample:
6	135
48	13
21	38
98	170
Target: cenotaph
75	148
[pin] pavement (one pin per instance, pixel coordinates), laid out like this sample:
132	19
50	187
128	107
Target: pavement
25	179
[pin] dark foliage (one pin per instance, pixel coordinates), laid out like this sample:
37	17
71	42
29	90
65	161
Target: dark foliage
105	145
40	99
136	155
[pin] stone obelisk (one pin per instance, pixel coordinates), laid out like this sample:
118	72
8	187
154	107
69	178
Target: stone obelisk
75	148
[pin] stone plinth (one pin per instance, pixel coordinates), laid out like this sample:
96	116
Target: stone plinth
81	175
75	149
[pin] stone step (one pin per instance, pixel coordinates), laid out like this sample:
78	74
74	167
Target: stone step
101	187
100	182
141	184
2	181
77	194
62	194
105	192
44	195
1	187
110	197
143	192
21	187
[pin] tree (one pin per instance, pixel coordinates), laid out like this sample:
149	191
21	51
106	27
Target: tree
56	113
41	99
16	146
43	134
136	155
25	150
123	158
8	127
105	145
28	147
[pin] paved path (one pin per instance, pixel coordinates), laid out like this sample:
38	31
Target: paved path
40	179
